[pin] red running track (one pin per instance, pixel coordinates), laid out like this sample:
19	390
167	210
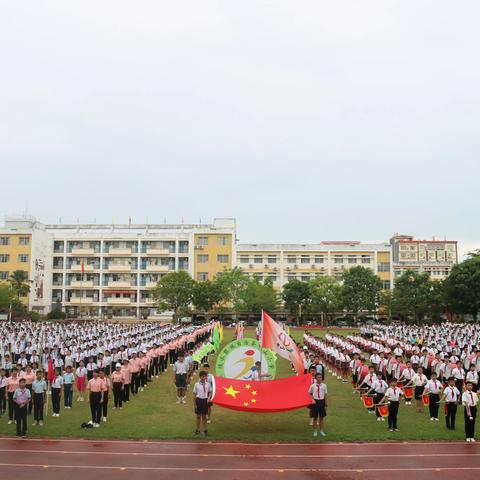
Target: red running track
41	459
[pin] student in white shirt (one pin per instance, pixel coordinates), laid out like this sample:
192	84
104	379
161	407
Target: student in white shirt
419	380
470	400
393	395
434	388
319	394
472	376
451	395
379	386
202	393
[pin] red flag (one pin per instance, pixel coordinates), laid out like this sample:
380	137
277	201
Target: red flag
262	396
426	400
275	338
367	401
383	410
51	370
83	266
408	393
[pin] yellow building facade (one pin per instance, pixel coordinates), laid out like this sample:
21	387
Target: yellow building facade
213	253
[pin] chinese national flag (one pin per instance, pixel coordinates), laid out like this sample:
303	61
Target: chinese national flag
83	267
262	396
277	339
50	371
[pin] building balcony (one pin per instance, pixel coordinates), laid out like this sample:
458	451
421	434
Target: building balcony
81	301
157	268
119	284
118	252
119	267
78	268
151	284
158	251
82	251
84	284
119	301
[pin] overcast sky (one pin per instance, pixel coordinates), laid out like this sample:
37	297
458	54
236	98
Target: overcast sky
307	121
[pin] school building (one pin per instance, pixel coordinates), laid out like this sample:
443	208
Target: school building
109	270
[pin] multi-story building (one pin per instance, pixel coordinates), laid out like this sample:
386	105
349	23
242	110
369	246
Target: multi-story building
283	262
435	257
109	270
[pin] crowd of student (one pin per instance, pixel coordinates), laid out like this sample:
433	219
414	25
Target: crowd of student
432	364
101	359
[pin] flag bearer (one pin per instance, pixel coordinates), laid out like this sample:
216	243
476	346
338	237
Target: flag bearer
434	388
201	397
393	395
319	394
470	400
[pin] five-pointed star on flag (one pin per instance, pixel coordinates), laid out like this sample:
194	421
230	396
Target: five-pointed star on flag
231	391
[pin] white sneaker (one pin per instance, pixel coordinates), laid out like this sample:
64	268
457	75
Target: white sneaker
141	389
96	425
34	424
179	400
379	419
10	422
468	439
432	419
315	433
104	419
472	440
383	419
209	421
40	423
436	419
322	433
183	400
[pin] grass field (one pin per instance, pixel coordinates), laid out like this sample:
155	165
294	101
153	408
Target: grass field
154	414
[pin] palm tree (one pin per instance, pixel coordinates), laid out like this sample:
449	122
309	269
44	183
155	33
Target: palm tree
20	283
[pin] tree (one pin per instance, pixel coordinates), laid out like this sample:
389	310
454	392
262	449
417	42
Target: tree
257	296
361	290
462	287
206	295
326	296
416	296
6	296
233	284
296	296
20	283
174	292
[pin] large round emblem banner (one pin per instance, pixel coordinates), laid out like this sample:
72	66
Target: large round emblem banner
237	359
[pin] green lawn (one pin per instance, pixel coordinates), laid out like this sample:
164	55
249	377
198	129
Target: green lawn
154	414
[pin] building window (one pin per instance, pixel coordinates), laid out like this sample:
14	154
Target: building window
291	259
272	277
3	275
352	259
202	276
222	241
202	258
202	241
386	284
292	277
23	240
4	258
305	278
257	259
222	258
338	259
383	267
23	258
366	259
244	259
305	259
319	259
4	240
272	259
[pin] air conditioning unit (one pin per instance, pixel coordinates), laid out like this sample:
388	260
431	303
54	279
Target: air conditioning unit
198	247
250	266
275	269
295	266
313	267
267	266
288	269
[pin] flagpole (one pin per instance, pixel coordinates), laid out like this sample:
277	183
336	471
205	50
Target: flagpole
261	345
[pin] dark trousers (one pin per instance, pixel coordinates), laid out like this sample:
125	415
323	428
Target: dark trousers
95	406
3	402
56	399
105	404
143	377
433	405
126	392
11	406
470	424
451	414
392	414
38	400
68	393
30	403
376	401
135	383
21	417
117	394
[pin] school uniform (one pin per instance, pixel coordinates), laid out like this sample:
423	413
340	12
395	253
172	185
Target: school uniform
96	386
117	387
459	375
39	388
419	381
470	400
57	383
202	392
319	393
472	376
393	395
12	385
68	380
3	390
379	386
434	387
21	396
180	369
452	394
